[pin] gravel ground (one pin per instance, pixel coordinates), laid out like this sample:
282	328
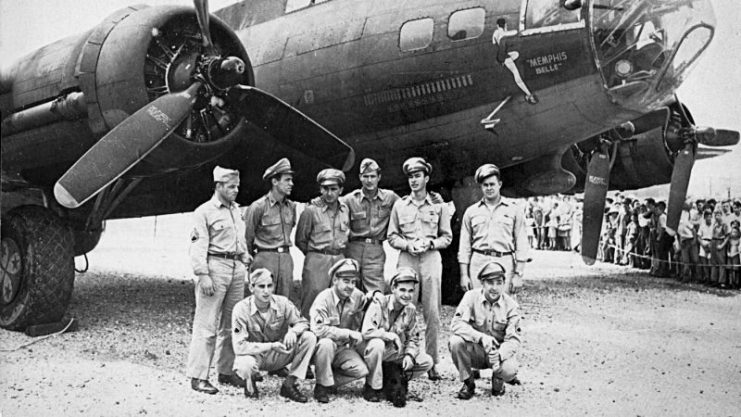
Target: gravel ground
598	341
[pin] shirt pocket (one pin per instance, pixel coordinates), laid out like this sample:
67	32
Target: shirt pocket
498	328
407	223
383	212
430	219
270	223
276	323
478	225
218	227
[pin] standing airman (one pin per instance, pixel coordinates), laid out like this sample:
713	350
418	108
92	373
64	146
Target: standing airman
420	227
218	254
322	233
492	229
370	209
270	220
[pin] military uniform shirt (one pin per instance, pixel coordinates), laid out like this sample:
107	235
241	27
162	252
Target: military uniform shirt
476	317
269	223
410	222
319	229
334	318
502	230
217	229
378	320
369	218
250	328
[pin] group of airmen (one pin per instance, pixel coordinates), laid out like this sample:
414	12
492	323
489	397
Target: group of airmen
347	321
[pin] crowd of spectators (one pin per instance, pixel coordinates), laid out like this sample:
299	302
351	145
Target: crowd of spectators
704	248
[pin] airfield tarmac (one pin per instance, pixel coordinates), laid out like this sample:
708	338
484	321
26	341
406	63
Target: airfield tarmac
602	340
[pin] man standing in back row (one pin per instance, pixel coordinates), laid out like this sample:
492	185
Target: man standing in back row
420	227
218	255
269	221
370	209
492	230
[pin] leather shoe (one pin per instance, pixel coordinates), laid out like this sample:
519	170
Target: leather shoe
476	374
202	385
321	393
433	375
291	392
255	394
370	394
514	381
309	373
497	387
467	390
233	380
282	373
257	377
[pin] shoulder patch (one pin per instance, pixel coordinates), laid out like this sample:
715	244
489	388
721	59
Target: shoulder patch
194	235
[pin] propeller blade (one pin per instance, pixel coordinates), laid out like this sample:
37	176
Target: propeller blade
595	192
288	125
125	145
683	163
203	22
717	137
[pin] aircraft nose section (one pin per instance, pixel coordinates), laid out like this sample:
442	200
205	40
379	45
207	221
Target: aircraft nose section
646	48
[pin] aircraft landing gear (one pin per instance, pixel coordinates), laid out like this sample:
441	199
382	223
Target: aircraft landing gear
36	267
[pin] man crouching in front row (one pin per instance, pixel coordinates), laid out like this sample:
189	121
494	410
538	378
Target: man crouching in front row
269	333
486	333
391	334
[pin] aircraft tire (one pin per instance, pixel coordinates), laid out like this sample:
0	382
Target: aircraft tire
37	268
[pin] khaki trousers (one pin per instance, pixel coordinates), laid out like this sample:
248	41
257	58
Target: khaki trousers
468	355
299	357
478	260
429	268
376	351
315	278
371	258
212	321
281	266
337	365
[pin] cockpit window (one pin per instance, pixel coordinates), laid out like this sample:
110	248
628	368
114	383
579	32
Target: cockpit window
542	13
416	34
292	5
466	24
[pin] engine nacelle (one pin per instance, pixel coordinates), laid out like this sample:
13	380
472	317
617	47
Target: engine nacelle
59	100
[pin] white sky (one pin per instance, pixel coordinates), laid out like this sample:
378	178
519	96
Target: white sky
712	92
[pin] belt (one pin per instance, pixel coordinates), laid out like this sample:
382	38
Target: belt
332	252
234	256
366	240
279	249
490	252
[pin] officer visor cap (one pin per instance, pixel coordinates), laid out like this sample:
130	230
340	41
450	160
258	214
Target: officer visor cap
345	268
415	164
224	174
492	271
368	164
261	276
330	176
281	167
404	274
485	171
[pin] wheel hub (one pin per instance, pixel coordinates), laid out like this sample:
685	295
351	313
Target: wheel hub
11	265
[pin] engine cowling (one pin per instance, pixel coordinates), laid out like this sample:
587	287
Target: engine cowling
59	100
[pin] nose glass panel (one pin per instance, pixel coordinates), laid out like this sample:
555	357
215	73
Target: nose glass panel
646	48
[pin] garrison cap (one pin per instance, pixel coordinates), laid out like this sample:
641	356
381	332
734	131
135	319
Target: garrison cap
404	274
281	167
224	174
415	164
485	171
330	175
368	164
345	268
491	270
261	276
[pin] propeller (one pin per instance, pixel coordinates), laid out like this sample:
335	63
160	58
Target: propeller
595	192
690	136
218	77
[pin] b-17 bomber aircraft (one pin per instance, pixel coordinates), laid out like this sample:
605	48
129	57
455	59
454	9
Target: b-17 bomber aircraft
128	118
